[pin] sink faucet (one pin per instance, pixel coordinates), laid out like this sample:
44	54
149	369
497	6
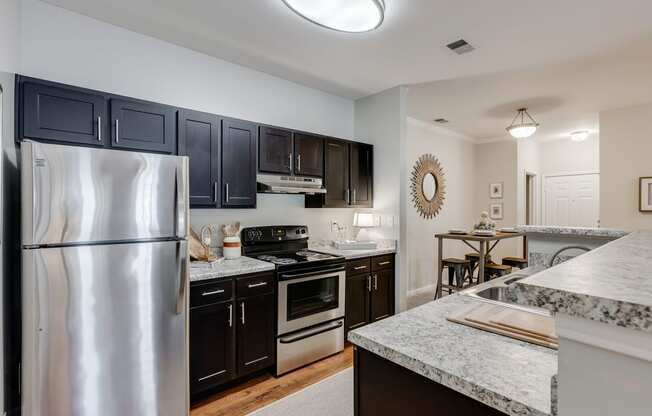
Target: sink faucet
561	250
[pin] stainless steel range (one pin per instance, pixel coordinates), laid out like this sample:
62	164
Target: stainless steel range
311	290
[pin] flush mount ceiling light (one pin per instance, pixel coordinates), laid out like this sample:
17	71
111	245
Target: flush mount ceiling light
579	136
342	15
523	125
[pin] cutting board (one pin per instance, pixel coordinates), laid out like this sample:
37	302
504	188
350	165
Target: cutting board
514	323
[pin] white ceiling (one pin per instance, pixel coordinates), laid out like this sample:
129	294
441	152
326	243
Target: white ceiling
407	49
561	97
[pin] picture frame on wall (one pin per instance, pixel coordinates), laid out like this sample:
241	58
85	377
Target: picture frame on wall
496	190
496	211
645	194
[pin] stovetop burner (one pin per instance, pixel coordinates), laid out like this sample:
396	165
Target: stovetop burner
277	260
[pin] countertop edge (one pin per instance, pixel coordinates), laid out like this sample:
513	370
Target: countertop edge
474	391
610	233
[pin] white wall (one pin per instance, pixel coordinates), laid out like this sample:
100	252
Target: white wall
567	156
380	120
67	47
529	162
625	155
456	155
9	32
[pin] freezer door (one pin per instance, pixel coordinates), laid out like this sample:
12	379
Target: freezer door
105	330
75	195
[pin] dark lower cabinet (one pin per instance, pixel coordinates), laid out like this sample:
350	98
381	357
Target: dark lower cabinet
212	346
275	154
144	126
361	175
199	139
255	333
232	331
383	388
308	155
369	290
239	156
50	112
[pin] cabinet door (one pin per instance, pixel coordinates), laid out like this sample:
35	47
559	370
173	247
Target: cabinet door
139	125
239	145
212	349
308	155
337	173
382	294
255	333
275	151
67	115
199	139
357	301
362	175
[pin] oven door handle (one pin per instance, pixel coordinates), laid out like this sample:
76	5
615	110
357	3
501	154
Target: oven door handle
285	276
311	332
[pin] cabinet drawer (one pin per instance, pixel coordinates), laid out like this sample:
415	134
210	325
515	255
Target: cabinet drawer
382	262
358	266
208	293
261	284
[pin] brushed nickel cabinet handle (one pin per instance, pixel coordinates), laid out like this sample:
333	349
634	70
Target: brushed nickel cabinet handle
298	162
242	309
348	196
216	192
226	192
99	128
290	158
214	292
376	282
251	286
230	316
384	263
368	283
360	268
355	198
117	131
211	375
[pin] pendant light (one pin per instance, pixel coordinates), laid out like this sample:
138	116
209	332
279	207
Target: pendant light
523	125
342	15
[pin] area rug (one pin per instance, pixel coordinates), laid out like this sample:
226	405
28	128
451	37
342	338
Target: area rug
332	396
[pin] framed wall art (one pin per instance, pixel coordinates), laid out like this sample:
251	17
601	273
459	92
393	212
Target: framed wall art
496	190
496	211
645	194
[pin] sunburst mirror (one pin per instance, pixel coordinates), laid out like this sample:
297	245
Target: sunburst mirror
428	186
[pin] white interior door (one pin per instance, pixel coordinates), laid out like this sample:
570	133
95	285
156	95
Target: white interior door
572	200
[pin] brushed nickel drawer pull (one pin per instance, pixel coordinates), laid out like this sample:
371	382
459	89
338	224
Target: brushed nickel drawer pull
214	292
360	268
384	263
212	375
253	285
257	360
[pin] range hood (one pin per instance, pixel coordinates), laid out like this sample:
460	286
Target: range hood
290	185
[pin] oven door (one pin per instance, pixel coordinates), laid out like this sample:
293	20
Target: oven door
306	299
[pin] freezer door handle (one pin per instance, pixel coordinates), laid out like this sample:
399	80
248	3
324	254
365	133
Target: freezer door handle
182	258
181	208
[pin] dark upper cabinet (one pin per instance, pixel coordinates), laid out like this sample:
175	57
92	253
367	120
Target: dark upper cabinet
54	112
361	175
255	334
212	346
239	151
144	126
199	139
308	155
337	173
357	301
275	151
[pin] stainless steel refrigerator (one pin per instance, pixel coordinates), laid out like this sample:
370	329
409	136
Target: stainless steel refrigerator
104	282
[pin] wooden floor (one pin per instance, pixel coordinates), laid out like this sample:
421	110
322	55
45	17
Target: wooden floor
261	391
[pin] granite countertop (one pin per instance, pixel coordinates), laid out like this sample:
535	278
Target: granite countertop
610	284
572	231
227	268
384	247
506	374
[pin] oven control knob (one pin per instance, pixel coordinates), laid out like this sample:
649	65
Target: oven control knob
303	231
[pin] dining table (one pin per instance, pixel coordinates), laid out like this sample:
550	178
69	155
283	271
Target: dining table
486	244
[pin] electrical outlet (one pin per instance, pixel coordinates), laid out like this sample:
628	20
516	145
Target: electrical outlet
333	225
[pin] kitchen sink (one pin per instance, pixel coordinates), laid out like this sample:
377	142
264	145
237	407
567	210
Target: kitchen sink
498	294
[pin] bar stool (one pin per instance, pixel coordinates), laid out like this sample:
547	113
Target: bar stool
474	258
458	269
493	270
519	262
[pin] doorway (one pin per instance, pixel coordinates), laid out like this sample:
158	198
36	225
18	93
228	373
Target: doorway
530	199
572	200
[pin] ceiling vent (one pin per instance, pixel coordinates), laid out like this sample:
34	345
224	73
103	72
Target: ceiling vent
440	120
460	47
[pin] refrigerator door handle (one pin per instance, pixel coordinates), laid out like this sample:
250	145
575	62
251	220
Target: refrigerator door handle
181	208
182	259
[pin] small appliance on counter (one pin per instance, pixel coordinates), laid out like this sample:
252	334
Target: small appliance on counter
311	289
231	246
